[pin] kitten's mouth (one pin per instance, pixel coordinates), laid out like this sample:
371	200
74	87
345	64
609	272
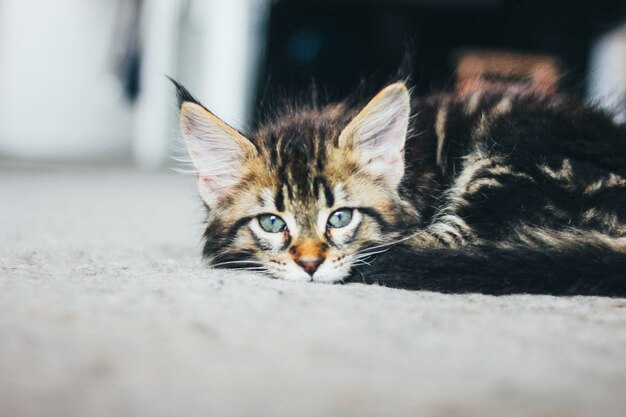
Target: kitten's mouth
298	274
328	270
328	275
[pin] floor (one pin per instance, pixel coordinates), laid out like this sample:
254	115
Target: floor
107	310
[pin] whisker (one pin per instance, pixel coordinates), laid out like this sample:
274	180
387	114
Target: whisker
391	243
254	269
238	262
360	255
219	254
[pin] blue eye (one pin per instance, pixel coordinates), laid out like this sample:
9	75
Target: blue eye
340	218
271	223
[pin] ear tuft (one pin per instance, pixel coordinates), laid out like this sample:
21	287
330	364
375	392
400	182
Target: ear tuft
377	134
218	151
182	93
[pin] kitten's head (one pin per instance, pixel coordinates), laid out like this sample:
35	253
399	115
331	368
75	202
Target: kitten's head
306	196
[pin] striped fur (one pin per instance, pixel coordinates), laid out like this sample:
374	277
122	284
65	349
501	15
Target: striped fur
501	193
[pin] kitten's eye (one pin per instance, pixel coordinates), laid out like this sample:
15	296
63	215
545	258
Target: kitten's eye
272	223
340	218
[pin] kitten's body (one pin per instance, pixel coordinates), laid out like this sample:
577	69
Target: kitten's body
528	195
492	192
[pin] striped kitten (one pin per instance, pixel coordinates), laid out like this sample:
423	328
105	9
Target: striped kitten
490	192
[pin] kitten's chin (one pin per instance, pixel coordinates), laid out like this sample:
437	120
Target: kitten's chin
295	276
329	277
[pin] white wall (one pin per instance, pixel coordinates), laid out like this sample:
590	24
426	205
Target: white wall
59	95
59	98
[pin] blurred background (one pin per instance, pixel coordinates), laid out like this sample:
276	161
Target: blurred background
83	81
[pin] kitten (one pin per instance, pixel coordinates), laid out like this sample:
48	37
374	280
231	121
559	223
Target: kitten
490	192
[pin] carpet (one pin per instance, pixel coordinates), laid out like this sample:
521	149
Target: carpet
107	310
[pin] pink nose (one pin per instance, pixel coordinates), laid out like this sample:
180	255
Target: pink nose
310	265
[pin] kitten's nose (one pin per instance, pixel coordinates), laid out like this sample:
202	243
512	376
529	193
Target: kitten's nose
310	264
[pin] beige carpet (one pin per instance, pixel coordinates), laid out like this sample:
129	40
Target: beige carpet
106	310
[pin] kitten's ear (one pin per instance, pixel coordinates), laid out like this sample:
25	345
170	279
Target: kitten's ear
217	150
378	133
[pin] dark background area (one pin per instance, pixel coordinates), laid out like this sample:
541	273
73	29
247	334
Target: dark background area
341	45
